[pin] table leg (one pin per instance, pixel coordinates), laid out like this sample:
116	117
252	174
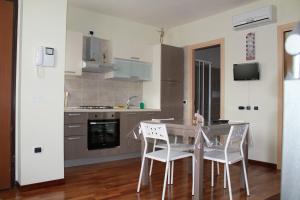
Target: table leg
245	150
199	170
188	164
145	177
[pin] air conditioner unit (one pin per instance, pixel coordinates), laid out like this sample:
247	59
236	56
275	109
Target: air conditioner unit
261	16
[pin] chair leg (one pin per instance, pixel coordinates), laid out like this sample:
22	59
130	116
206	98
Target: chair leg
151	166
212	173
172	173
218	168
245	177
229	183
225	174
165	180
151	162
141	174
169	174
193	176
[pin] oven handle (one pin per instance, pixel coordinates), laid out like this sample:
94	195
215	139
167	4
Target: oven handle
94	123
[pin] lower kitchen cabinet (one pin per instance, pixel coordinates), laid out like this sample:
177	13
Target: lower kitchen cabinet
129	120
76	135
75	147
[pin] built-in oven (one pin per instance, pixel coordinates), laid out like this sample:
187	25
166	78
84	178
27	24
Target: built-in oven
103	130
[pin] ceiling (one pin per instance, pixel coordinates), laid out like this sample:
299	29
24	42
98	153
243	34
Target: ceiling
159	13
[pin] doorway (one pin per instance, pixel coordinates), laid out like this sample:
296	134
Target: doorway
207	82
284	67
195	84
8	24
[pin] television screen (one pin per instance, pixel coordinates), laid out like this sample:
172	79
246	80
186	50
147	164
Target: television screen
246	71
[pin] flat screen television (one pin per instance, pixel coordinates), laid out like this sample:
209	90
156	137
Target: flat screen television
246	71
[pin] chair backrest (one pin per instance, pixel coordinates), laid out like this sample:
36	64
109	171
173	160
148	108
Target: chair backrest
237	135
155	131
200	121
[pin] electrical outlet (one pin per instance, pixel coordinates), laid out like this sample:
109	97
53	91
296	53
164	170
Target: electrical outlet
38	150
241	107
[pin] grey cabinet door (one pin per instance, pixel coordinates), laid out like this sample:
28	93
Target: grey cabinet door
75	129
171	100
151	115
75	147
75	117
129	120
172	63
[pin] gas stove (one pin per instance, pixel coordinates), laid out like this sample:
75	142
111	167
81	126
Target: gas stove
96	107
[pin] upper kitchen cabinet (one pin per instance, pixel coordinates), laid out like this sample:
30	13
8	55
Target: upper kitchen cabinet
74	43
132	51
172	63
130	70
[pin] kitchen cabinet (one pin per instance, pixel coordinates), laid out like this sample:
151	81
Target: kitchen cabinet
132	51
75	135
132	70
171	100
172	63
73	63
75	147
129	120
172	72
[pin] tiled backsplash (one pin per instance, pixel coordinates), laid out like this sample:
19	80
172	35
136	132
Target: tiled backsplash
93	89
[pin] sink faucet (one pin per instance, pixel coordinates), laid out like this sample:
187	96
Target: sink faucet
128	103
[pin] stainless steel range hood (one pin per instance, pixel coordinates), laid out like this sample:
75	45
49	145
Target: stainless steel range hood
97	54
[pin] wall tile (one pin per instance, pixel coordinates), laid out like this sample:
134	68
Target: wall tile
93	89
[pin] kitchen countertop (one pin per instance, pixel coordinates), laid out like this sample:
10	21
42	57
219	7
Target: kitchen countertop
76	109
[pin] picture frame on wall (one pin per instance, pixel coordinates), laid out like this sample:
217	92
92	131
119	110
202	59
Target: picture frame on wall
250	46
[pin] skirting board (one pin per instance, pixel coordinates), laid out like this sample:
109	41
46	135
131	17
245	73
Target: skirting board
40	185
88	161
264	164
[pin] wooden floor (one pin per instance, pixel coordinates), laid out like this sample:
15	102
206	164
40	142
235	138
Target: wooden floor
118	181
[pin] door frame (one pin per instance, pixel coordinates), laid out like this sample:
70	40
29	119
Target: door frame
13	89
281	29
191	66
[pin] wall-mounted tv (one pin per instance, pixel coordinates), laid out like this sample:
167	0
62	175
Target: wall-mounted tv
246	71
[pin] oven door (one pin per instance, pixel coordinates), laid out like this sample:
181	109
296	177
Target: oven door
103	134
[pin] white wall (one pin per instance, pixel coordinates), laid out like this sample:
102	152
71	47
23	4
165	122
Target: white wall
40	98
262	93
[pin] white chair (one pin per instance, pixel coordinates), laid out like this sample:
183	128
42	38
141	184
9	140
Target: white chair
209	146
237	137
158	131
174	146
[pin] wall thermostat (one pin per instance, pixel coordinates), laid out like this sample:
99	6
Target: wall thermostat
45	56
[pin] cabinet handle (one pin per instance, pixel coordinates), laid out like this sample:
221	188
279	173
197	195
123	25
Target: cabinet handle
131	113
70	72
150	113
135	58
73	138
74	126
95	123
74	114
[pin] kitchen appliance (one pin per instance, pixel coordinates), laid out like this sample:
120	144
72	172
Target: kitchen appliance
103	130
97	54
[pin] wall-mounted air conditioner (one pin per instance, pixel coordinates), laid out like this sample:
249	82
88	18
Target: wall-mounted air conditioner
258	17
